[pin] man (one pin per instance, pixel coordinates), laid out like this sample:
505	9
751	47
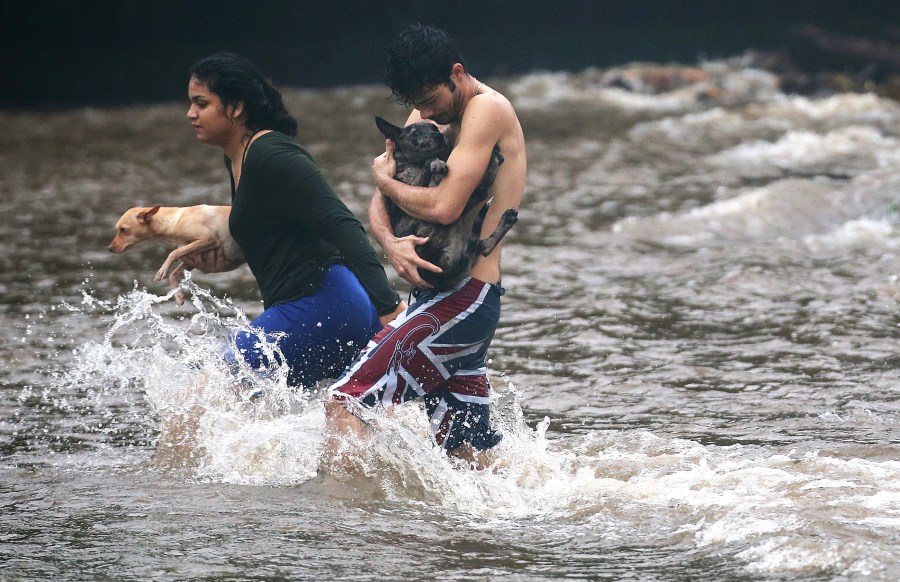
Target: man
436	349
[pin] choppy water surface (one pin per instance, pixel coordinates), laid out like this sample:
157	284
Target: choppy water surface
696	369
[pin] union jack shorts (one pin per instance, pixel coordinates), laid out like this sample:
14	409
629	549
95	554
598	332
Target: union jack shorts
436	351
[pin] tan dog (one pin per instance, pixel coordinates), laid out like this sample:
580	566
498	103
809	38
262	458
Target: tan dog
188	230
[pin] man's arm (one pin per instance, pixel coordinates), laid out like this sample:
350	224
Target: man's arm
443	204
401	252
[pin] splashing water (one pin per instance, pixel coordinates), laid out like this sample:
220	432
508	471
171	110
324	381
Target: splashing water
212	417
229	423
218	425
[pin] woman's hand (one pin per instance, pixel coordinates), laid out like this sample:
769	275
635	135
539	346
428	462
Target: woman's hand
401	252
211	261
389	317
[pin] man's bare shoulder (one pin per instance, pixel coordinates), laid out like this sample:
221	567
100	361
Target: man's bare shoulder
493	101
490	115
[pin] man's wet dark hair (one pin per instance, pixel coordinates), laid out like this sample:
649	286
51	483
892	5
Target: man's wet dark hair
420	58
233	78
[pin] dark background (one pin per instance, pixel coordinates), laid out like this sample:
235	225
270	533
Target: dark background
69	53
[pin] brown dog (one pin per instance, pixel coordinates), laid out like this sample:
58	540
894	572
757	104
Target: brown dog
188	230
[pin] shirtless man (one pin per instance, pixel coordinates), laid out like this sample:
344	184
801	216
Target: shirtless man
436	349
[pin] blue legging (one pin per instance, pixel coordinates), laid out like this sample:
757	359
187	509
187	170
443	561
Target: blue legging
319	335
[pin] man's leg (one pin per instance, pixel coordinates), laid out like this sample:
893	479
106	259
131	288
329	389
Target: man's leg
459	413
437	347
340	423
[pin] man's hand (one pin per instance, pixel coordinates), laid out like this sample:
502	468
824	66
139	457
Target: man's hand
384	166
211	261
401	252
389	317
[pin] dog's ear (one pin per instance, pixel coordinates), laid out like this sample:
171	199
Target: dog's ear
390	131
145	216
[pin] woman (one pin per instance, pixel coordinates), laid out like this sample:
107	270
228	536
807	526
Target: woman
325	293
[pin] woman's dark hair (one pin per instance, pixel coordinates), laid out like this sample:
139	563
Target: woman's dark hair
420	58
233	78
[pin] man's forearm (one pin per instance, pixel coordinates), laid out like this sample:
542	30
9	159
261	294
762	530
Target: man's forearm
401	252
428	204
379	222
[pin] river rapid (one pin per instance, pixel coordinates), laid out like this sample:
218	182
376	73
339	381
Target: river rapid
696	370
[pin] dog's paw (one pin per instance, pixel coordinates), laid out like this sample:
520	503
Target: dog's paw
161	274
437	167
179	297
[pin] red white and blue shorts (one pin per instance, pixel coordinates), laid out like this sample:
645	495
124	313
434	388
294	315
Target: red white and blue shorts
436	351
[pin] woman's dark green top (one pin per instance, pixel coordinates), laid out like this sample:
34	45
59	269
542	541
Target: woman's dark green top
292	227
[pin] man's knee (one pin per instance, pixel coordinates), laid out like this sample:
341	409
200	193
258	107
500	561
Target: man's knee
340	421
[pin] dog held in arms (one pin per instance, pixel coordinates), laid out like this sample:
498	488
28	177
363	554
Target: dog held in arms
187	230
421	151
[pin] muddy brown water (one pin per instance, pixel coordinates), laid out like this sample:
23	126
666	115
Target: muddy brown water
696	368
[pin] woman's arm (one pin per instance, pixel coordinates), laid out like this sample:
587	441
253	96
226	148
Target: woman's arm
314	205
211	261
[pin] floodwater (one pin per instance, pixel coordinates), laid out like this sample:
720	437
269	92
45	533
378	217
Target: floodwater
696	370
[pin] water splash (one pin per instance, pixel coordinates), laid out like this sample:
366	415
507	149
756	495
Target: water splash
160	372
208	421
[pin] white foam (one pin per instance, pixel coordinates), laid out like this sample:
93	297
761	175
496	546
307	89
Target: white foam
720	82
788	554
251	447
841	108
862	232
798	148
742	525
781	209
539	90
672	101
